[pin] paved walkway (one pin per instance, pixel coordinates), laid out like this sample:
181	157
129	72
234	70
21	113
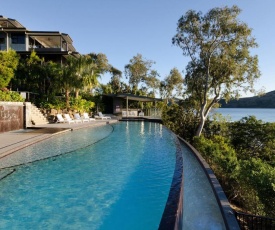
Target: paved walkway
18	139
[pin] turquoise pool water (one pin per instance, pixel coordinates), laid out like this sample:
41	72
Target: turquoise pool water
111	177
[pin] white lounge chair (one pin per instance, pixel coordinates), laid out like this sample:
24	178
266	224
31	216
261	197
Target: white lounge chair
68	119
77	118
101	116
60	119
141	114
86	117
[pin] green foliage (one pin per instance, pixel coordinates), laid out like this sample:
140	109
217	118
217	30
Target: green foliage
254	138
78	104
152	82
220	153
29	74
221	65
56	103
181	119
218	125
137	70
81	105
8	64
114	83
10	96
258	176
172	85
242	156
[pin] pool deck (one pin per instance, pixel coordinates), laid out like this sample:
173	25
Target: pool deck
18	139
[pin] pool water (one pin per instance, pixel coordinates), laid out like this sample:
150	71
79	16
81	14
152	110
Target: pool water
112	177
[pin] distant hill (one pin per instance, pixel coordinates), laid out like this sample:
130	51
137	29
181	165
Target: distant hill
265	101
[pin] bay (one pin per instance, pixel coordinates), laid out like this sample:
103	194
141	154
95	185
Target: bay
235	114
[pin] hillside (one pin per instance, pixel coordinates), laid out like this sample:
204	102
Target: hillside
265	101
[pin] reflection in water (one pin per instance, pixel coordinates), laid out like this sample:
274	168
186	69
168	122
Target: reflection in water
142	128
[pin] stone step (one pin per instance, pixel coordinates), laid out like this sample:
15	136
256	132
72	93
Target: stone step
37	117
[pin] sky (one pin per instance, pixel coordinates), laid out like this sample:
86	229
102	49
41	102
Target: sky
122	29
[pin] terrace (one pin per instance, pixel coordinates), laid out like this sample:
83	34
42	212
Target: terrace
49	44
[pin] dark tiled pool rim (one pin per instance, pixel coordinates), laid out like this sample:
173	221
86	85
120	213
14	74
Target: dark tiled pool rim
172	215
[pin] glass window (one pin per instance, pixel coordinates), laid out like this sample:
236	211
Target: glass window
2	38
18	39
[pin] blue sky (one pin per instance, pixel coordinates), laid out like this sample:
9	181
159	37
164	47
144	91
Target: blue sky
122	28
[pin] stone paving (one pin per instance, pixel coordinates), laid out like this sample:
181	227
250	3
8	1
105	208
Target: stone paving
18	139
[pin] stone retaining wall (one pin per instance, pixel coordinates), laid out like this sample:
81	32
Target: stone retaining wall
11	116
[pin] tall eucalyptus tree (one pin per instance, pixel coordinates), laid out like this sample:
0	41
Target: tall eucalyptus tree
137	71
221	64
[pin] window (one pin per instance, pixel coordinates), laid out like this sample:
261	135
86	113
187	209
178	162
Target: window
2	38
18	39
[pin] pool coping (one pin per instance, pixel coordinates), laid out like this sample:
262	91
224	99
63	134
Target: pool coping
23	138
227	212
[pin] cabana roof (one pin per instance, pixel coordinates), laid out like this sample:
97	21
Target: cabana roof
133	97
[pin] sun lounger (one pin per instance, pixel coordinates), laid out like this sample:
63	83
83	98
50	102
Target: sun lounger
60	119
68	119
77	118
141	114
86	117
101	116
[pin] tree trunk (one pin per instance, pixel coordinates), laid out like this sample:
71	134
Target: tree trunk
67	99
201	125
202	121
76	93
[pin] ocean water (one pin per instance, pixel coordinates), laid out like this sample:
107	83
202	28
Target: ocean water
235	114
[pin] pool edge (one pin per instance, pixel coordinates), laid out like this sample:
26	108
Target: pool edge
227	212
172	214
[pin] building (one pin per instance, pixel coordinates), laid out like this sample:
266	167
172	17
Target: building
51	45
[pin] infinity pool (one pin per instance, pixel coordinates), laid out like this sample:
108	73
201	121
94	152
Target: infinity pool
111	177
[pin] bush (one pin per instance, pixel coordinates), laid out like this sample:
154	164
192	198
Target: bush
81	105
56	103
10	96
181	120
253	138
259	177
78	104
242	156
222	158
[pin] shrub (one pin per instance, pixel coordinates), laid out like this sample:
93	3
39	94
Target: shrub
181	120
253	138
259	177
10	96
220	155
81	105
248	179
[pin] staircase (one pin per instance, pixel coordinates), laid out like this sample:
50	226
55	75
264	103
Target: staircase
37	118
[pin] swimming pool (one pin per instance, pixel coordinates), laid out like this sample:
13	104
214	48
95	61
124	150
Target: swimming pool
111	177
